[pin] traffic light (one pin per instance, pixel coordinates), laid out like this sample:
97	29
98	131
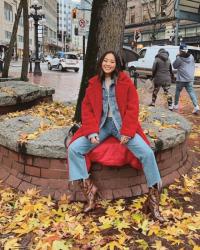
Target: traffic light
76	31
74	13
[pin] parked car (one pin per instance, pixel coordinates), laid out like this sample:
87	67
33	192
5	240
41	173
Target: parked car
144	64
47	58
64	61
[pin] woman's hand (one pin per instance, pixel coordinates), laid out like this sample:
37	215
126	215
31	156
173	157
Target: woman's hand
94	140
124	139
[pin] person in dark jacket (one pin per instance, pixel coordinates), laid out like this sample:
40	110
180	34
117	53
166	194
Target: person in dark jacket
185	66
162	76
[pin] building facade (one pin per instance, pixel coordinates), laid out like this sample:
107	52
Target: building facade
8	10
49	43
152	22
63	24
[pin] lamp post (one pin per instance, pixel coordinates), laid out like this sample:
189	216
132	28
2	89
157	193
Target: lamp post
36	14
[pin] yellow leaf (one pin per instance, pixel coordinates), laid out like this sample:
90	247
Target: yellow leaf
187	198
158	245
154	229
121	224
61	245
137	217
111	212
142	244
106	222
112	246
32	136
144	226
12	244
196	248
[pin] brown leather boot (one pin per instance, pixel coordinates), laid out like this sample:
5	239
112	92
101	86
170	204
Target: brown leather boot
152	205
90	192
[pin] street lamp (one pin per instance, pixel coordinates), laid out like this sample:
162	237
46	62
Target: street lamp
36	14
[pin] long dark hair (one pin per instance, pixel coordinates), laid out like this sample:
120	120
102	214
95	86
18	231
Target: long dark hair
115	73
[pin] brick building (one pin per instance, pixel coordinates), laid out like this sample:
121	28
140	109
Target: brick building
154	23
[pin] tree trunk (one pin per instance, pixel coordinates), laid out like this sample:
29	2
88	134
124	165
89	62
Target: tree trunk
106	33
8	55
25	62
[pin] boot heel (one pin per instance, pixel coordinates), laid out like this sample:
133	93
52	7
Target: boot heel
146	209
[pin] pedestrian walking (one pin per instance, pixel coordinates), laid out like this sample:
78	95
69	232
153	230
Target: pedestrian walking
162	77
185	66
111	108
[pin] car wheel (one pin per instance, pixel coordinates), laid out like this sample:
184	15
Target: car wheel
76	70
60	67
49	66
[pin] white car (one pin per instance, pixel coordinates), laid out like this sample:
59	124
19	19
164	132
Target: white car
64	61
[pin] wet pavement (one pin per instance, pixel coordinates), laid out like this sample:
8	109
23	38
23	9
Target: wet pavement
67	86
66	83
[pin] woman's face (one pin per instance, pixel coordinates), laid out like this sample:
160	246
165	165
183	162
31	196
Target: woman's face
109	64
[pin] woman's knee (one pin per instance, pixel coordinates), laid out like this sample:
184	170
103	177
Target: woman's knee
72	149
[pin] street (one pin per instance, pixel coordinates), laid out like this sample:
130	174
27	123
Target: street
66	84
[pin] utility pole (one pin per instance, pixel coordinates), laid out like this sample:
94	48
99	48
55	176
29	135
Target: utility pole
177	23
177	32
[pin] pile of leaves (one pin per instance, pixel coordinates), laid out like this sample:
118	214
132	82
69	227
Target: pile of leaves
31	221
9	91
60	115
57	114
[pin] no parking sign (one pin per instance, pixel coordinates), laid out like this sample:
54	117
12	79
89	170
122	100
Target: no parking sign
82	24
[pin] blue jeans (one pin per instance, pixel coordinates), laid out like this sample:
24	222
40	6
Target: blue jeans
189	88
82	145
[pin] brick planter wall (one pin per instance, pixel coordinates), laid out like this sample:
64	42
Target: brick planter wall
50	175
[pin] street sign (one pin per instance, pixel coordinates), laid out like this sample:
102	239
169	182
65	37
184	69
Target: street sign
188	10
82	27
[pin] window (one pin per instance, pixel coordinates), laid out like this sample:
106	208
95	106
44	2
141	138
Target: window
70	56
196	54
20	39
142	53
21	21
8	12
7	35
163	7
132	14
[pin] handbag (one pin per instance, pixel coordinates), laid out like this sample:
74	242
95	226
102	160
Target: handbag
70	133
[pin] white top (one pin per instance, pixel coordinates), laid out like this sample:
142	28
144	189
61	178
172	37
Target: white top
108	83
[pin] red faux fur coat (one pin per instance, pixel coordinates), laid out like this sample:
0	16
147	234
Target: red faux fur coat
111	152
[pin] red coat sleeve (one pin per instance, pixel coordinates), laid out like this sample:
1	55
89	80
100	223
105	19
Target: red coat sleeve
89	122
130	119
